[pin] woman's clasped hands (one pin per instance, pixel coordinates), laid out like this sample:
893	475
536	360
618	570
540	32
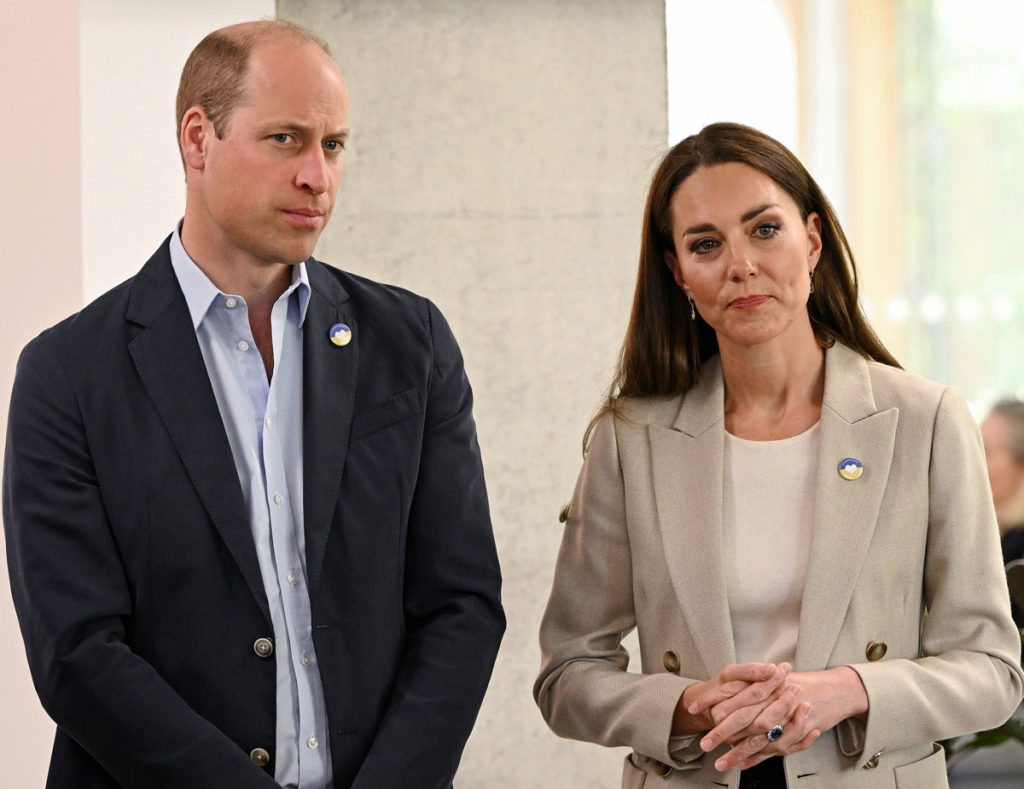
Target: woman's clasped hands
744	702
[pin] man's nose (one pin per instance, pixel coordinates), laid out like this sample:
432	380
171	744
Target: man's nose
314	173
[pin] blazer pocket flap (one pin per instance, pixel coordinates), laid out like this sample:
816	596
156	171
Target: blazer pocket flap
384	414
926	773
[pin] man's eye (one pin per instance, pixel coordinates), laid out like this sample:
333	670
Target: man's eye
334	145
282	138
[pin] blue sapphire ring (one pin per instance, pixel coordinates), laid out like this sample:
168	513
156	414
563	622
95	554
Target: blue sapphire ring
774	733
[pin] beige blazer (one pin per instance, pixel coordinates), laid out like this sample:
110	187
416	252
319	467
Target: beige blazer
643	548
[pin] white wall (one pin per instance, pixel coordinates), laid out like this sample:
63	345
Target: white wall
133	187
40	240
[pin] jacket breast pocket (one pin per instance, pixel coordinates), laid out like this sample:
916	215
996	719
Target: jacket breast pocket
386	413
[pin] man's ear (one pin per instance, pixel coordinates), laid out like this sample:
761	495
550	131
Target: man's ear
195	132
677	271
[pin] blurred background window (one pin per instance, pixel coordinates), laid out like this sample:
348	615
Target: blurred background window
910	114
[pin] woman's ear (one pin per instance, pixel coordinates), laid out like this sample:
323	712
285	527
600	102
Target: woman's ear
677	271
813	240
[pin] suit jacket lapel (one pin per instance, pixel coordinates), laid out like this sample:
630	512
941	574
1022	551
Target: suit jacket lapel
687	467
846	511
328	396
166	355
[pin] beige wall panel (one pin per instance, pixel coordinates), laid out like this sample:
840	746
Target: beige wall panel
498	163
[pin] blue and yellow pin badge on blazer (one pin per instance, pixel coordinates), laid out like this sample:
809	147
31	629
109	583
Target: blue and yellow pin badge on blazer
340	334
850	468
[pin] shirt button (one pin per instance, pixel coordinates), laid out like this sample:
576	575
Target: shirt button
231	302
268	422
306	659
278	499
243	345
292	578
312	742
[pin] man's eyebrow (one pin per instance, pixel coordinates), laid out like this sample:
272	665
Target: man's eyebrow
291	126
708	227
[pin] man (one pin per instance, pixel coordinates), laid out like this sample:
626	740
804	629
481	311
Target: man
245	512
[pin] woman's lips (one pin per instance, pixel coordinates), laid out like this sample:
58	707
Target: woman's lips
748	302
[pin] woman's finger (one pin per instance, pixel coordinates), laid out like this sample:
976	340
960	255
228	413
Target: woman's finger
742	752
732	680
755	694
740	725
779	711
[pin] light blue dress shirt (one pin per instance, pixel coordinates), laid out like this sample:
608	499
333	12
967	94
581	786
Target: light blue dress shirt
263	421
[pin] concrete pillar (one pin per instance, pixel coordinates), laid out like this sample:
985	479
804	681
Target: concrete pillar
498	163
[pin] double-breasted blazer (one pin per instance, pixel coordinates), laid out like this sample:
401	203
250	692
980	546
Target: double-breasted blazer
134	570
642	549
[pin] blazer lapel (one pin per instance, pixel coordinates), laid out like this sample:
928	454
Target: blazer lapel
846	511
686	461
328	397
168	360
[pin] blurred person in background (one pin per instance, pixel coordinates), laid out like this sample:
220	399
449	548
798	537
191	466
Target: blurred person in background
1002	431
773	504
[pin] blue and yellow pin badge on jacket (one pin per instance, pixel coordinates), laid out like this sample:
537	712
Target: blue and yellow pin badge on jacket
340	334
850	468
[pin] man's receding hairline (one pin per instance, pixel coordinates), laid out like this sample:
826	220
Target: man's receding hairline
264	31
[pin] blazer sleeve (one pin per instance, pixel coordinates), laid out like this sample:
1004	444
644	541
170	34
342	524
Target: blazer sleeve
583	690
73	600
969	676
451	595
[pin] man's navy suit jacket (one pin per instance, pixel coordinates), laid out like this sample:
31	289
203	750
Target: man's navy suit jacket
133	566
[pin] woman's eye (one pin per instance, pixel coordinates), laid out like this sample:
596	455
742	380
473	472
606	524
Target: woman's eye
766	230
704	246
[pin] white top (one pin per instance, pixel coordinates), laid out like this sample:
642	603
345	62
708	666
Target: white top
767	519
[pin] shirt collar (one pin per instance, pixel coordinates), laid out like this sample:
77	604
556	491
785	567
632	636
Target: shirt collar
200	292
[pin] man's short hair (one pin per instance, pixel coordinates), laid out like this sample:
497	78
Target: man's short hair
214	74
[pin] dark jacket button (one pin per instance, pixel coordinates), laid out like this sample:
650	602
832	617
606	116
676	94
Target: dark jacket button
263	647
261	756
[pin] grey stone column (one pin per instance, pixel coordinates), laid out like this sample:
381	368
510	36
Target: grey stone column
498	164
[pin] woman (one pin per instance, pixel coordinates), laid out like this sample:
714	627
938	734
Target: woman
773	504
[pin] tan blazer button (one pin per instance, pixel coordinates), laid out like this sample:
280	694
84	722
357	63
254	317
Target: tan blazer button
671	661
261	756
876	650
660	769
872	763
263	647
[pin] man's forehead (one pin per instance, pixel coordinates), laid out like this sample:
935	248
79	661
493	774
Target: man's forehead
299	76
